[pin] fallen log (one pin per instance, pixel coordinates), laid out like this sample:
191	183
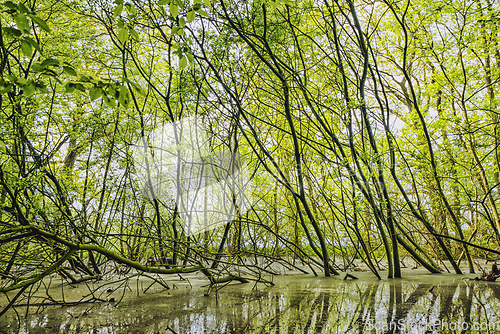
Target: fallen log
491	276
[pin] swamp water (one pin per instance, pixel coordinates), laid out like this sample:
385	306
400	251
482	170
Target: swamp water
298	303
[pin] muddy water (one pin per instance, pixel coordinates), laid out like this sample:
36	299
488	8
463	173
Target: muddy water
419	303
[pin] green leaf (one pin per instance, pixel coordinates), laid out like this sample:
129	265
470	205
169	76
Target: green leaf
22	8
80	87
112	91
50	62
70	87
137	88
207	3
95	92
118	10
190	57
50	73
33	43
133	33
6	88
42	87
202	12
124	97
109	102
174	9
3	148
182	62
133	84
123	35
12	31
69	70
83	78
22	23
26	48
162	2
38	67
182	22
190	15
10	4
39	22
29	89
131	9
21	81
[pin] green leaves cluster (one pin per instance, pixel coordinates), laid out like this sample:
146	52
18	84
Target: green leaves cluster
125	29
174	6
111	92
22	17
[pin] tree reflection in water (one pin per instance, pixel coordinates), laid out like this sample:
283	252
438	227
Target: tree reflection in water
297	304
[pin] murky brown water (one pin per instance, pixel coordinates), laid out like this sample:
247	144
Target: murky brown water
419	303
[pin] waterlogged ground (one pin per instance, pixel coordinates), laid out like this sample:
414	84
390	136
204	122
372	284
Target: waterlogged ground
298	303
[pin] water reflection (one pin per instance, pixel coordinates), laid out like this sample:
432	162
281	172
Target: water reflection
298	304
